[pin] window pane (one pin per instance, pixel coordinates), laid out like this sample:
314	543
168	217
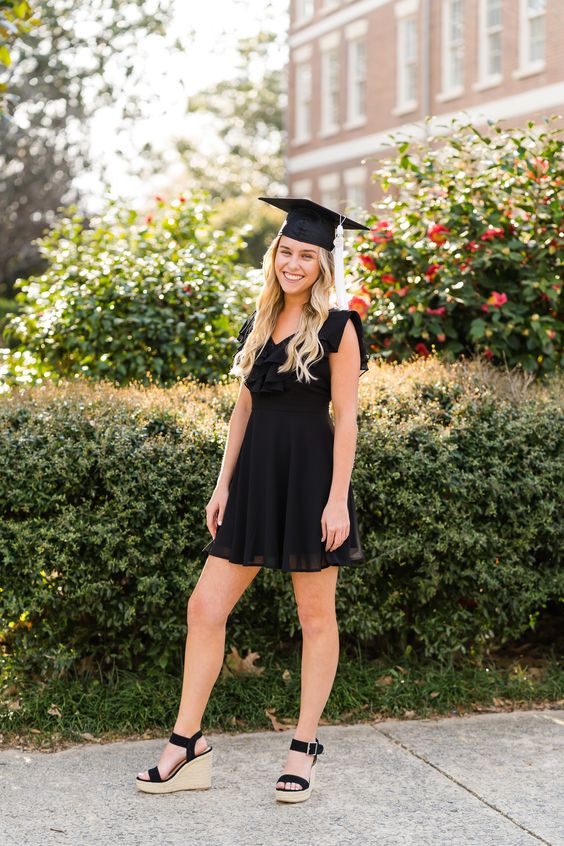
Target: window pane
536	7
493	14
494	54
536	33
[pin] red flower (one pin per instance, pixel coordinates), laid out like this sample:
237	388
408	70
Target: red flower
472	246
485	307
421	349
148	218
441	310
497	299
437	233
359	305
388	279
381	232
441	338
403	291
464	265
488	353
182	198
412	308
187	289
367	261
431	272
492	233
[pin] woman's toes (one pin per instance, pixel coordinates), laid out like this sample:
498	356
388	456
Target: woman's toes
144	776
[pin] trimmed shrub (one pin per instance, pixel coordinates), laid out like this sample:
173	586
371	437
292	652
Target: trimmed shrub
458	484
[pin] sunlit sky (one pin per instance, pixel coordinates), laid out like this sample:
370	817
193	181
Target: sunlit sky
170	78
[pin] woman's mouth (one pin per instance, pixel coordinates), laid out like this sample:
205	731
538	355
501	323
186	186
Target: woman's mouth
292	277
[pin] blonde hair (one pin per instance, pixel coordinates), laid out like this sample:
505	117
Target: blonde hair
303	348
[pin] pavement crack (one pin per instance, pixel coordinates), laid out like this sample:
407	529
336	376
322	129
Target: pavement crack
465	787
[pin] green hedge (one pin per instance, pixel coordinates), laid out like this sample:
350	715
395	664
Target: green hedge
458	482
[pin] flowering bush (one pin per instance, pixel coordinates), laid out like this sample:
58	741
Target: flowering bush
128	299
465	253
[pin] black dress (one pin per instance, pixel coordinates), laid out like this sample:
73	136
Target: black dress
283	474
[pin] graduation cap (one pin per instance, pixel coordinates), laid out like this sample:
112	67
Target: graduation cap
314	224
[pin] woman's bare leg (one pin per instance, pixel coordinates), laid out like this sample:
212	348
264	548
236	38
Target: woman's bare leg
219	588
315	598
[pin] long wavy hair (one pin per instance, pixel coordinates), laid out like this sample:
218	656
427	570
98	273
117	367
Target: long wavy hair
304	348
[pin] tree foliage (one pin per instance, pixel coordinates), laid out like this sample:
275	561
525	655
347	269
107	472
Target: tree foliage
79	58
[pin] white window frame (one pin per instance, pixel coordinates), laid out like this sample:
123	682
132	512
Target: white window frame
356	38
303	11
450	88
355	178
302	188
487	79
406	15
528	66
329	47
328	6
303	89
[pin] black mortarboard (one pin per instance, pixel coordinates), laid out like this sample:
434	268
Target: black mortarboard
309	222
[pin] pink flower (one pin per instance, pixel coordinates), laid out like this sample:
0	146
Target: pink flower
158	198
497	299
367	261
441	338
421	349
403	291
492	233
437	233
359	305
412	308
441	310
381	232
148	218
485	307
431	272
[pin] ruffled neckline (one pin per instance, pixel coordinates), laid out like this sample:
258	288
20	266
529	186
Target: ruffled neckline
264	376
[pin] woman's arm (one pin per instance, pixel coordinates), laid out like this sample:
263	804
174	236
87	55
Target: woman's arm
345	372
237	427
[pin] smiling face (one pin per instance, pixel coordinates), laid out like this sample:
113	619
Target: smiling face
296	265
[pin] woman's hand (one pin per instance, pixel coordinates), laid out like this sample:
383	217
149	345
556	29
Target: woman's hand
335	525
216	508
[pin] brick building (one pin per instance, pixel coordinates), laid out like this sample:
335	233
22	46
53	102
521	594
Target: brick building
360	69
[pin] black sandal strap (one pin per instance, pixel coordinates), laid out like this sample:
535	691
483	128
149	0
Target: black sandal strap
313	747
189	743
298	779
154	774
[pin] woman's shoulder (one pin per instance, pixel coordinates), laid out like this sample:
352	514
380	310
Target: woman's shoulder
332	332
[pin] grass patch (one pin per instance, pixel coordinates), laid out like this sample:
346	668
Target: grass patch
252	695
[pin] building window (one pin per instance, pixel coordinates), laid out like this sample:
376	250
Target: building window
329	189
407	64
303	10
453	48
490	51
532	37
329	91
302	188
327	5
355	189
356	100
303	103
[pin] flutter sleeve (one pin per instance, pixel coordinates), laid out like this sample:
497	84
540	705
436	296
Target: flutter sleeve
244	331
332	332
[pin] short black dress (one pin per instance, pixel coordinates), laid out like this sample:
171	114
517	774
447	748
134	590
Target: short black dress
283	474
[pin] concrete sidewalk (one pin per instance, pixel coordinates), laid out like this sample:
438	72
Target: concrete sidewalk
486	779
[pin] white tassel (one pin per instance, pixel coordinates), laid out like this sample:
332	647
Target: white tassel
342	300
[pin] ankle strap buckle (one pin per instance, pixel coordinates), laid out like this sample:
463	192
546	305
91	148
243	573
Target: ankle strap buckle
315	745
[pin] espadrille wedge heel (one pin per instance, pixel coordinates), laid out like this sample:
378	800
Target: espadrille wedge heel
313	747
192	774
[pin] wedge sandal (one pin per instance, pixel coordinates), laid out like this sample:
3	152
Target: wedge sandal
313	747
192	774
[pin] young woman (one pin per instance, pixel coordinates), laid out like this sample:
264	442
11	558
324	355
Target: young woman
283	498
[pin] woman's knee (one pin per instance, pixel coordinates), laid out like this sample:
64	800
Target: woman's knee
204	610
316	621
